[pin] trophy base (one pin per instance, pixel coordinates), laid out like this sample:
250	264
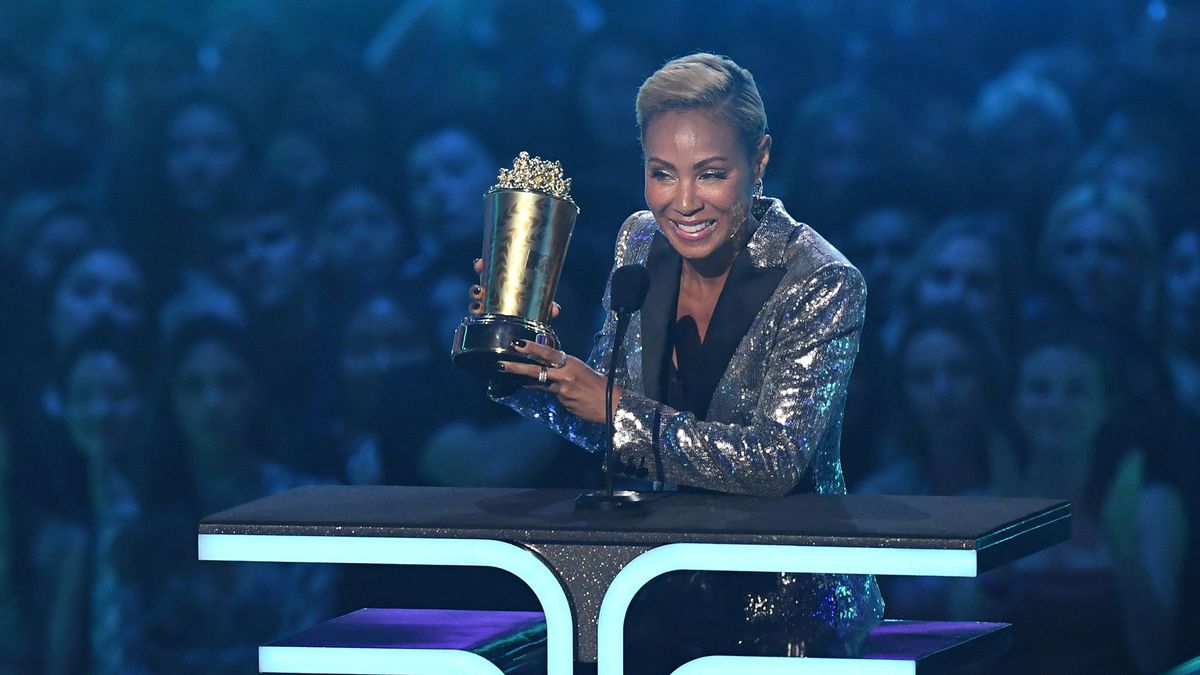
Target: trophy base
482	341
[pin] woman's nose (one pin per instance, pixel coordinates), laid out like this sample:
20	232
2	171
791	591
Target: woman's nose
686	201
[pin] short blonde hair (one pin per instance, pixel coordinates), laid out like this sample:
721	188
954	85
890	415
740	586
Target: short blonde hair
707	82
1128	209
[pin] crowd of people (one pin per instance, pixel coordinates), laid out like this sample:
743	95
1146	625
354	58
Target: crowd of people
235	241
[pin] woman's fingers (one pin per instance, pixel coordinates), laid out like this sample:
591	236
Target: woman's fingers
477	292
578	387
547	355
529	370
553	360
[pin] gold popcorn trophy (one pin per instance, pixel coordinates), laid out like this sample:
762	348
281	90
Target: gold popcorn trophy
528	217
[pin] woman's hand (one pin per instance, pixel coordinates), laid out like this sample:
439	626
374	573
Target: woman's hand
478	292
577	386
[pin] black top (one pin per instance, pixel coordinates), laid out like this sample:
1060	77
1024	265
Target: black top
684	342
702	364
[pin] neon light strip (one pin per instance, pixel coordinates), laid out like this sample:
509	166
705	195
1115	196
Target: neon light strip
766	665
560	630
1189	667
610	634
373	661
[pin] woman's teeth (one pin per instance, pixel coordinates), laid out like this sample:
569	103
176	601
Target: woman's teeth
694	229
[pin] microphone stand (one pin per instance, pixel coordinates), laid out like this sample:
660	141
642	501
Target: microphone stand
609	500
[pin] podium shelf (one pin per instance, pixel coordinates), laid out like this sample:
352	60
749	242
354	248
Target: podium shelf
893	648
414	642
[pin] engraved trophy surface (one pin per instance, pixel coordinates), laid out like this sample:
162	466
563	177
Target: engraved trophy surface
528	218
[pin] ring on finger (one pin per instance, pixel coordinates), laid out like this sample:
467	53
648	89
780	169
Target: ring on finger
543	375
561	362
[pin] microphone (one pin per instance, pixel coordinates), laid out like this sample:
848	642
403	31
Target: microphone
627	292
629	286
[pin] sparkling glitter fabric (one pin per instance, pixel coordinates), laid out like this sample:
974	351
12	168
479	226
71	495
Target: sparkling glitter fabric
774	422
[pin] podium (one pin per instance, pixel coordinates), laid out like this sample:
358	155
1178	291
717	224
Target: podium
584	568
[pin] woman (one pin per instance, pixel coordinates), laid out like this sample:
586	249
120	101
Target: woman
1115	587
970	261
98	609
1099	248
736	367
197	155
359	239
101	284
943	435
217	431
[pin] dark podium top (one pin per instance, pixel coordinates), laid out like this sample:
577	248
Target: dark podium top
999	530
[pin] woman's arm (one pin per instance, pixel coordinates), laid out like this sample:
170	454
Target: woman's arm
799	402
544	406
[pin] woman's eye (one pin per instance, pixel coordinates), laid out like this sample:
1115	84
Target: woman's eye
659	174
713	175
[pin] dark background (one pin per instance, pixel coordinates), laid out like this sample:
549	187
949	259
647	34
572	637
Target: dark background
235	238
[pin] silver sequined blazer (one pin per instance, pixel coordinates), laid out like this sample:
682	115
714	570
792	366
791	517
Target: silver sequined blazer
790	319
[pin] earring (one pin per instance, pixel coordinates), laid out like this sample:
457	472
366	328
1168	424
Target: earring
758	188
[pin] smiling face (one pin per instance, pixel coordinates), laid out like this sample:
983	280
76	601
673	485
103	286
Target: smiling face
262	255
448	172
940	383
360	231
699	182
883	241
963	273
381	356
1095	263
204	153
214	397
103	405
1060	403
104	285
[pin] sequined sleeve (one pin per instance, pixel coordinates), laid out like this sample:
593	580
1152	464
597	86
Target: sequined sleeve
813	338
545	407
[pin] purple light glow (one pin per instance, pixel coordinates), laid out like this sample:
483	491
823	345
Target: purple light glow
914	640
413	629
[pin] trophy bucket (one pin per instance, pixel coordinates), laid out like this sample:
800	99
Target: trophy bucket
525	242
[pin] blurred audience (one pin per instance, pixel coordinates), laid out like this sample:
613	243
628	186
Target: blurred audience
234	243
